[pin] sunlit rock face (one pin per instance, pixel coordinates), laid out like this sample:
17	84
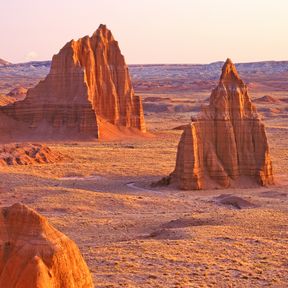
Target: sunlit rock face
34	254
226	142
88	85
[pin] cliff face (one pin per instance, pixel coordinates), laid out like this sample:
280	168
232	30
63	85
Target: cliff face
88	82
226	141
34	254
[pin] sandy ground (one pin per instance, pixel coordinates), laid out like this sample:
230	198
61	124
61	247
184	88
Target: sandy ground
132	235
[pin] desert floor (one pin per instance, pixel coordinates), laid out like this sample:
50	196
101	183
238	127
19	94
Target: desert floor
132	235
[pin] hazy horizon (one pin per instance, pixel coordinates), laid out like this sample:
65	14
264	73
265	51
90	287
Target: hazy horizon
154	32
155	64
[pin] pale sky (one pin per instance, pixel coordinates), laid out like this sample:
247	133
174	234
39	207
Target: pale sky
149	31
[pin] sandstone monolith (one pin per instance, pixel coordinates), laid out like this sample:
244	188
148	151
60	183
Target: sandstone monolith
226	143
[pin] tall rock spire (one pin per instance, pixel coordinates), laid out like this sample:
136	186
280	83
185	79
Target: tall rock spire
229	72
227	142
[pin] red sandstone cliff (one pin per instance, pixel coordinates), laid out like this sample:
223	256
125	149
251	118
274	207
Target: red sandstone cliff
88	85
34	254
226	142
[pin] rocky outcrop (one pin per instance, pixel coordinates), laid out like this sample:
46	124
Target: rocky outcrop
88	85
233	201
26	154
226	143
267	99
34	254
5	100
19	93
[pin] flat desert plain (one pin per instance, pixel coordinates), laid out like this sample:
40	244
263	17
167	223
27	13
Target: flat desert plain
133	235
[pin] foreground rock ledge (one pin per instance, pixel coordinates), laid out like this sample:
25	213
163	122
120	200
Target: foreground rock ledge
226	145
34	254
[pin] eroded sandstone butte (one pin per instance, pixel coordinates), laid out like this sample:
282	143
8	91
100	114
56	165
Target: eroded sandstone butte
226	143
34	254
88	86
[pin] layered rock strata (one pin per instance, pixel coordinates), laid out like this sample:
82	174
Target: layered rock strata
34	254
87	86
226	142
26	154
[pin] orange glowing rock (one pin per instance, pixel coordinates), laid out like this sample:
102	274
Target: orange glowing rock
227	142
88	85
34	254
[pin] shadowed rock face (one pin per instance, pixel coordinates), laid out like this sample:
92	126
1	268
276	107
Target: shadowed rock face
227	140
88	85
34	254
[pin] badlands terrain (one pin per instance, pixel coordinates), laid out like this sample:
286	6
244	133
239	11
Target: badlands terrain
99	193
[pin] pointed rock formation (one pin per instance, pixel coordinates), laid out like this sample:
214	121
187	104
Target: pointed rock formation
34	254
88	85
226	142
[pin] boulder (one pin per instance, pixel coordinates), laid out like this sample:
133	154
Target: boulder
34	254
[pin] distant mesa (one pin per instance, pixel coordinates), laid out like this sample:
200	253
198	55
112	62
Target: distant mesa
3	62
226	144
157	99
274	110
34	254
267	99
26	154
87	90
